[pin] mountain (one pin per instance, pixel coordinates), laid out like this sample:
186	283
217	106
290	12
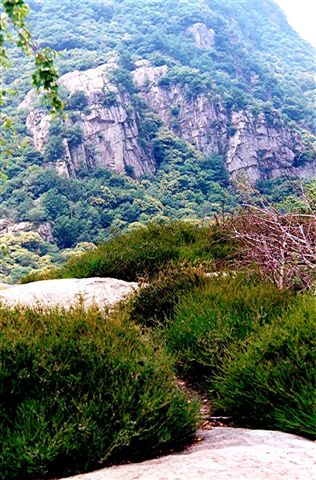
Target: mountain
167	103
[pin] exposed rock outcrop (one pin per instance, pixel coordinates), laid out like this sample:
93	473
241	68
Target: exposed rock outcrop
44	230
258	146
203	37
261	149
110	131
66	293
225	453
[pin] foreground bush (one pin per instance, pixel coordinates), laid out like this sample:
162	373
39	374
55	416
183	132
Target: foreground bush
145	251
212	318
272	383
155	303
78	390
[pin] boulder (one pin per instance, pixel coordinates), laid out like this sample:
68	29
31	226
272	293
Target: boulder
68	292
203	37
223	454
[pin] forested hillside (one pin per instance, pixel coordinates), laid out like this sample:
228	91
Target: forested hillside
157	241
196	93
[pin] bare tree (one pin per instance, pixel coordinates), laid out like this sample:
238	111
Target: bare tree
281	247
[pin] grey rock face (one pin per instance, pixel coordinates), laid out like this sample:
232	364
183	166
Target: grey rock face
7	226
203	36
256	147
110	133
223	454
68	292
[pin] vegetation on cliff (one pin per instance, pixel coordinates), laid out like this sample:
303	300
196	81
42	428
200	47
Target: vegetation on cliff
242	68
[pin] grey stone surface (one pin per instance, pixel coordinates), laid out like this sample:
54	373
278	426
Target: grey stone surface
252	145
8	227
203	37
225	454
67	292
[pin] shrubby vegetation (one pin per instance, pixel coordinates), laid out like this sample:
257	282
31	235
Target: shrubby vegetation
277	362
218	315
144	251
22	253
80	390
251	348
245	343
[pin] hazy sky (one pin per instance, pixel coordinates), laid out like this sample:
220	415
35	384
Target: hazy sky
301	15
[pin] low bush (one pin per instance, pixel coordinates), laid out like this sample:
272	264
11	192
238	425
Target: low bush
271	384
79	390
155	303
209	320
143	252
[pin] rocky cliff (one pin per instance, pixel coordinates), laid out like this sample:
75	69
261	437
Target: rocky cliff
8	227
110	136
259	146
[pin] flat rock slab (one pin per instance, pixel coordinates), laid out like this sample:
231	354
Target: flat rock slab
65	293
4	286
222	454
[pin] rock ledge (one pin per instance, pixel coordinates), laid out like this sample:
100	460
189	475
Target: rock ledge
223	454
65	293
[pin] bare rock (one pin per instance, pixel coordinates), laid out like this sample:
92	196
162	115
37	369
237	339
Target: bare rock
4	286
255	146
203	37
223	454
65	293
8	227
110	131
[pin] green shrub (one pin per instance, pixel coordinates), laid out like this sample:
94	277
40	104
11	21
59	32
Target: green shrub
212	318
77	101
138	253
143	252
272	382
78	390
155	302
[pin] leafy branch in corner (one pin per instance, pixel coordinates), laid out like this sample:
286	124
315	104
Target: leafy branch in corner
13	29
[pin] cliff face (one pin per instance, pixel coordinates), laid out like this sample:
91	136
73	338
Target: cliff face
255	146
110	132
8	227
258	147
203	37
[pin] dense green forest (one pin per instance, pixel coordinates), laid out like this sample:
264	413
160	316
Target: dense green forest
257	63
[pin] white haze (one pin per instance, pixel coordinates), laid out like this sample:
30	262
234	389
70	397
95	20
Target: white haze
301	15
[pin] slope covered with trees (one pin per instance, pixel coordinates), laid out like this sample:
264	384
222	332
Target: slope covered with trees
254	62
256	56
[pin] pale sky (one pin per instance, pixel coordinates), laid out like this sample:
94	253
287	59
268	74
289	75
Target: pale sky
301	15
